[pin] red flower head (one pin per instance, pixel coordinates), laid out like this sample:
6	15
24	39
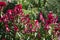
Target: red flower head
19	6
52	18
16	28
2	4
9	12
18	10
49	21
50	15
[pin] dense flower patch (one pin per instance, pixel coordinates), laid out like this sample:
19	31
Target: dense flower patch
12	21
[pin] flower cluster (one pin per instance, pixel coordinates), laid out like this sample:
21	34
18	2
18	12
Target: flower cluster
8	19
30	25
51	20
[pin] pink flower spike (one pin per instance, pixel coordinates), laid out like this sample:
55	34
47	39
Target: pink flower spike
36	23
41	17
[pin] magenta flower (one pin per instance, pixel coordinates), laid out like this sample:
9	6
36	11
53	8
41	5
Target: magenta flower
19	6
50	15
36	24
41	17
18	9
2	4
51	18
49	21
15	28
9	12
